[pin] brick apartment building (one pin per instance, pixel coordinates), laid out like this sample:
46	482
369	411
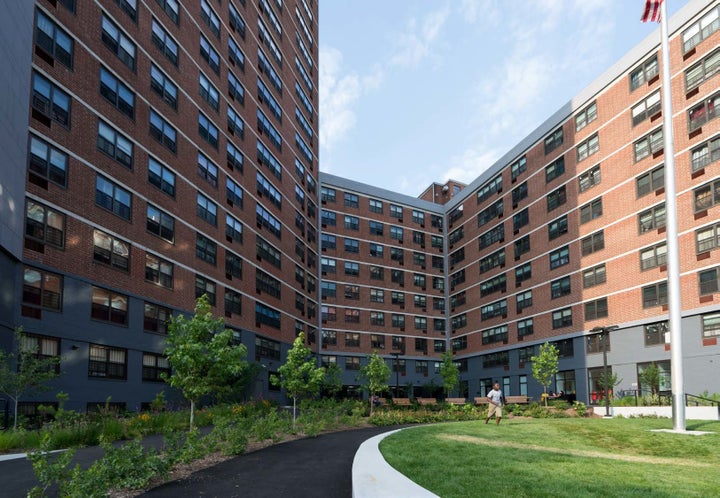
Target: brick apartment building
166	150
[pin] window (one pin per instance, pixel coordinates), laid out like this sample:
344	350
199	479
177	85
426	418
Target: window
233	229
520	247
703	112
562	318
108	306
235	88
352	339
650	181
154	366
554	140
42	290
327	218
556	198
112	197
264	282
163	86
654	295
420	301
265	251
645	72
352	245
160	223
352	363
377	273
266	128
376	228
376	250
711	325
495	210
396	233
352	292
107	362
46	163
521	219
50	101
559	257
493	235
652	143
591	210
522	273
207	130
208	92
594	276
377	318
702	71
328	265
118	42
419	280
654	256
519	193
557	227
207	170
646	109
586	116
233	265
171	8
418	217
707	238
420	323
267	69
210	55
205	287
265	37
588	148
41	347
709	281
498	308
518	167
117	93
206	209
592	243
707	196
156	318
208	15
655	333
396	212
55	43
111	251
523	300
589	179
701	30
114	144
495	334
266	189
234	193
162	131
237	23
596	309
376	206
491	360
705	154
164	42
555	169
651	219
560	288
267	348
525	327
158	271
352	269
205	249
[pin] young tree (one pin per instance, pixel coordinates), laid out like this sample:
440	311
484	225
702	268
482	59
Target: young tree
203	355
545	365
332	383
299	376
449	372
376	374
24	371
650	379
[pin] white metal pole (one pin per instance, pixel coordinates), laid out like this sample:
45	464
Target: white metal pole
673	252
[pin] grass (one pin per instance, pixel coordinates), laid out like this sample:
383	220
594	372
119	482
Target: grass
558	458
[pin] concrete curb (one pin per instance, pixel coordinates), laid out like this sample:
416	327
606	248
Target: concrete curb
373	477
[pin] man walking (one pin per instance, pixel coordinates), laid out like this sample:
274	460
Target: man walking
495	397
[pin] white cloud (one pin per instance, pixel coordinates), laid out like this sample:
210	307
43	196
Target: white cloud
415	43
469	165
338	94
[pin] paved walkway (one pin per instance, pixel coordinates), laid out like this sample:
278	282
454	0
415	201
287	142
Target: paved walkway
311	467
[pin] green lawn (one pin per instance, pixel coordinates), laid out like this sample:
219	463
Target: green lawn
559	457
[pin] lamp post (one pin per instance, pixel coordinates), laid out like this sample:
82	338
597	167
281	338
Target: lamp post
397	373
604	335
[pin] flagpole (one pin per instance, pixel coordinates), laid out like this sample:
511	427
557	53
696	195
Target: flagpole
673	251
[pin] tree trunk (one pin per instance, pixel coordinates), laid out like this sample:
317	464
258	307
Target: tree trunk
294	410
16	405
371	404
192	414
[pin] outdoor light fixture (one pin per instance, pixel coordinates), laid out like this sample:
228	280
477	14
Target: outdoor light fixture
604	334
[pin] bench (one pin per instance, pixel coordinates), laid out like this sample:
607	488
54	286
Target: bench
517	400
401	402
456	401
481	400
426	401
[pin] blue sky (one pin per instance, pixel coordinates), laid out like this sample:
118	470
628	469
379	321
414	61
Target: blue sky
416	91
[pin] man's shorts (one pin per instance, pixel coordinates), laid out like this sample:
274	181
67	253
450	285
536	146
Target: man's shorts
494	410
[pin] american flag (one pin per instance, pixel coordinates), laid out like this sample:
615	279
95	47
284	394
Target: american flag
651	13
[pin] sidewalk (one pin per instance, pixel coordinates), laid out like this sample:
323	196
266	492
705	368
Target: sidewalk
311	467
